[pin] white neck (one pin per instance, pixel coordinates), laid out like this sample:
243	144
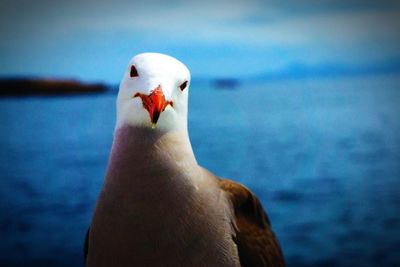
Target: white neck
148	152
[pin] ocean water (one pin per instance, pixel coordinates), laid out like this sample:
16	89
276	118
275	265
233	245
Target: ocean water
322	155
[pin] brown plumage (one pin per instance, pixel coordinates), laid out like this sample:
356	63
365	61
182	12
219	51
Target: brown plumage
257	245
251	229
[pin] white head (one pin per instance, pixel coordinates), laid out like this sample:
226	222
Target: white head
154	93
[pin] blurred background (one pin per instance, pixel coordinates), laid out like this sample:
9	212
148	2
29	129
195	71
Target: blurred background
299	100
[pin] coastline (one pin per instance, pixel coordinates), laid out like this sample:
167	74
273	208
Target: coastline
37	86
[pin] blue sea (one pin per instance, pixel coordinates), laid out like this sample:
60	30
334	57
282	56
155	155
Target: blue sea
322	155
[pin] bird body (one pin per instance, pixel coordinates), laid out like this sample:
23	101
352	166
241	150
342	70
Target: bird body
157	206
181	204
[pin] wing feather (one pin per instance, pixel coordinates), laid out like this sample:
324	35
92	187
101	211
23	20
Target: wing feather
256	242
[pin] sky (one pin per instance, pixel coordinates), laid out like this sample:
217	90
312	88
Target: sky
94	40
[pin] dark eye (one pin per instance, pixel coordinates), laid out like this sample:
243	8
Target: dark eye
183	85
134	72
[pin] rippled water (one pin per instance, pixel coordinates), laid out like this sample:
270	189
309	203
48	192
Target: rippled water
323	156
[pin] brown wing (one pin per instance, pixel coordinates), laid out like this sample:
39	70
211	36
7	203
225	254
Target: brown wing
257	245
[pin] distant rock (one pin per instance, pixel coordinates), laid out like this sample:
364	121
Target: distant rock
226	83
28	86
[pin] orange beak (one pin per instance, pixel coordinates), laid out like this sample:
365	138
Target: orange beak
154	103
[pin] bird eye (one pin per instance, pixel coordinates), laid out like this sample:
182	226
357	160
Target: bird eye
134	72
183	85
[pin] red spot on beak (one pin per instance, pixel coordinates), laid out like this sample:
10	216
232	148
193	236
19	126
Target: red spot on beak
154	103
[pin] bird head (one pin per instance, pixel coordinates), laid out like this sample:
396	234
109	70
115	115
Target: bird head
154	93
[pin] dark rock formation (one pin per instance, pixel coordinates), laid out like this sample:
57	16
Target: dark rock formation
27	86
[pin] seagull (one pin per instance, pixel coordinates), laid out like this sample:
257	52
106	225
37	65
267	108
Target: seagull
157	206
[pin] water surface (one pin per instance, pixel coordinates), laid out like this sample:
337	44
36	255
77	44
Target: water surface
323	156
